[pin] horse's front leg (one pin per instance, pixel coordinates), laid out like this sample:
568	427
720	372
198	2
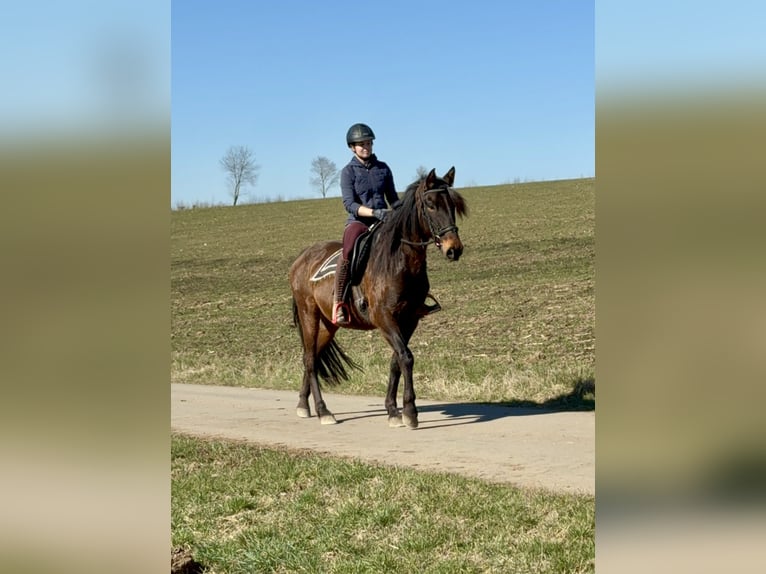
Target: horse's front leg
394	416
405	361
409	411
401	365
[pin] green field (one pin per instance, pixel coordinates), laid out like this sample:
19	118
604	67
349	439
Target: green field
517	324
242	509
517	327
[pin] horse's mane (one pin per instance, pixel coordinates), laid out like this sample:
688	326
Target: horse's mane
404	220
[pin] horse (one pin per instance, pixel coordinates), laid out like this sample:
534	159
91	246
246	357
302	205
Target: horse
390	296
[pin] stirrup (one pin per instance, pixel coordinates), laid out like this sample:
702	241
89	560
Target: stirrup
340	314
427	309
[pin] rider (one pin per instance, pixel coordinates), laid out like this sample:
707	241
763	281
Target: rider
366	184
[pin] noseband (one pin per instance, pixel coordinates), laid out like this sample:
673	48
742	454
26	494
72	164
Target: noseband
436	236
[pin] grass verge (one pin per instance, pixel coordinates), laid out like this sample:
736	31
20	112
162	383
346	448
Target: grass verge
242	508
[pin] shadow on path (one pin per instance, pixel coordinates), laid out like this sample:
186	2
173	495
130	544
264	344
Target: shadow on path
581	398
381	412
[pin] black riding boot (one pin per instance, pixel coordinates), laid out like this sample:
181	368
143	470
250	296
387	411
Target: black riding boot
339	309
428	308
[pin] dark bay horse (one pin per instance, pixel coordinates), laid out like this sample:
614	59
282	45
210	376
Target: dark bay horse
390	296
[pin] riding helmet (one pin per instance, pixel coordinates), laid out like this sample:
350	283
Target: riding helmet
359	133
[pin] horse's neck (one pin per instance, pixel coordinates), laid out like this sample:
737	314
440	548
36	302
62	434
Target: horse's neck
409	260
413	261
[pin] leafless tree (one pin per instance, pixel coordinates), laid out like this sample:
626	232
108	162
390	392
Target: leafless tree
421	172
241	169
325	174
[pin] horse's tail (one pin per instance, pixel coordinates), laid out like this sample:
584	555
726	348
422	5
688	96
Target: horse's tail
332	361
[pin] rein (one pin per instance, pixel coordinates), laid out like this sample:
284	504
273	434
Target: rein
435	235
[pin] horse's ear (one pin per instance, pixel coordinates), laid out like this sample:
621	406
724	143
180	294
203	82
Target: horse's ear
449	177
430	179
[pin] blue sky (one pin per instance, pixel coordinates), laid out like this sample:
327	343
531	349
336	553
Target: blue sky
681	46
81	66
501	90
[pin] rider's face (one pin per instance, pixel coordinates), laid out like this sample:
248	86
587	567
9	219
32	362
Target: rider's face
363	150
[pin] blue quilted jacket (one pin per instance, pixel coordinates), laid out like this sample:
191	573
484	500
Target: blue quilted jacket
370	184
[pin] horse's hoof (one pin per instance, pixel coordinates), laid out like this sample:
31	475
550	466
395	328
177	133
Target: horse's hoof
395	422
303	413
328	419
411	422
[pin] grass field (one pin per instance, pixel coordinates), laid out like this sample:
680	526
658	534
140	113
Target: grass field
517	324
517	327
244	509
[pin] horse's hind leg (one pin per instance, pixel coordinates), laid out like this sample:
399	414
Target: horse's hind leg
311	386
303	409
323	338
314	337
324	414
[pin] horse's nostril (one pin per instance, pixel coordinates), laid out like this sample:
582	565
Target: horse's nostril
451	254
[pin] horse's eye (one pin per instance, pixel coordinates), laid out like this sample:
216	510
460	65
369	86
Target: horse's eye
430	203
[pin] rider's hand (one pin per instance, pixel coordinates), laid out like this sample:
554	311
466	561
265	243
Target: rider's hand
380	214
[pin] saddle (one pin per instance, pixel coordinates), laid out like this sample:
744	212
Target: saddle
360	254
358	258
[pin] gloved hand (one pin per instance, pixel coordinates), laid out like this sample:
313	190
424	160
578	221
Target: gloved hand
381	214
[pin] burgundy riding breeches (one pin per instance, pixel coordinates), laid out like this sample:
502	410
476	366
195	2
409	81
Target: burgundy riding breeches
350	233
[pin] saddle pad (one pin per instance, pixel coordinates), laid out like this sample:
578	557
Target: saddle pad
327	268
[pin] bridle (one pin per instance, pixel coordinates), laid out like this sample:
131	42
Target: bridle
436	236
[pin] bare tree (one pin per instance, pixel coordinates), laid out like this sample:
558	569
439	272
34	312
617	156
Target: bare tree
241	169
325	174
421	172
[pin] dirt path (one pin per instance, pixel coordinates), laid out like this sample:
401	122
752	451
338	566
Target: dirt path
525	447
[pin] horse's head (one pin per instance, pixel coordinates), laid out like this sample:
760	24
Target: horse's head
439	204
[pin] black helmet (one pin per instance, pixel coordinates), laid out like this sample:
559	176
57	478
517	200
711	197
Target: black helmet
359	133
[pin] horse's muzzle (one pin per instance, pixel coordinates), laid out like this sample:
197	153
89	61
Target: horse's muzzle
452	248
